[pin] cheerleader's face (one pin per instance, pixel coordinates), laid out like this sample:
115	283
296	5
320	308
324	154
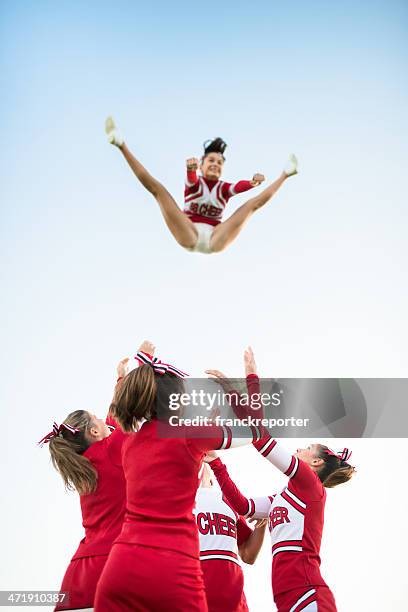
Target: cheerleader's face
98	429
310	455
212	166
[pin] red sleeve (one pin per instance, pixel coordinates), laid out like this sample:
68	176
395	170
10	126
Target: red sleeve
240	187
237	500
243	410
257	507
192	178
243	531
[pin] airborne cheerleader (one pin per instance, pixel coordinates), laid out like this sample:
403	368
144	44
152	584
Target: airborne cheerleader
199	227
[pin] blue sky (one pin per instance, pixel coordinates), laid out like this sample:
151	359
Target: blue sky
316	281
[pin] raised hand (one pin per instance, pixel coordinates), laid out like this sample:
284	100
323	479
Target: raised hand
221	379
122	367
257	179
147	347
192	164
249	362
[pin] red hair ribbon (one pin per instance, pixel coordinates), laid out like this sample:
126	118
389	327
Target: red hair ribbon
158	366
343	455
56	430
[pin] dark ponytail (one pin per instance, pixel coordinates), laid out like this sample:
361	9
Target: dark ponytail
335	471
214	146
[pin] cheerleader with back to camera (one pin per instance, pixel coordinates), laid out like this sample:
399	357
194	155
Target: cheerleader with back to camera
86	451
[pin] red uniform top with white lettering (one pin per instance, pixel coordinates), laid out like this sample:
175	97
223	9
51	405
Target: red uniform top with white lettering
104	509
296	514
296	517
221	531
205	199
161	465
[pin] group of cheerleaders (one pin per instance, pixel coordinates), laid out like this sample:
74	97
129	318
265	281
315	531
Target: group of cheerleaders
158	535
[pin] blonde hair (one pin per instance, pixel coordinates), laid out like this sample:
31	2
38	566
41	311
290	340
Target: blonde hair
66	450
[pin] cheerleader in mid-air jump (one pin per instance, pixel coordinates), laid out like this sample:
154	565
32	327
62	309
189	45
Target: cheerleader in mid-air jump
199	227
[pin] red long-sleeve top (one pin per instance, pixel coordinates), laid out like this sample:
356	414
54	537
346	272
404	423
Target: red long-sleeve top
205	199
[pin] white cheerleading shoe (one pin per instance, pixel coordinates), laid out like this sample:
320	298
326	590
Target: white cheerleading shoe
291	167
114	137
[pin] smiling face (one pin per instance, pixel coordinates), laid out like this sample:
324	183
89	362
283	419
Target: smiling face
310	455
212	166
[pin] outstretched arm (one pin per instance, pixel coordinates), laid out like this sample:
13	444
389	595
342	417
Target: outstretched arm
122	370
248	507
242	186
301	476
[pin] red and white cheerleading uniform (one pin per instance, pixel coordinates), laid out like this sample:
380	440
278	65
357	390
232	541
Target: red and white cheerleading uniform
296	518
204	203
102	518
205	199
221	531
154	563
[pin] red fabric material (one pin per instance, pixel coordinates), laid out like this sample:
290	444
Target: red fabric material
146	579
289	569
205	211
103	510
244	531
238	501
162	479
242	186
202	219
323	597
243	411
80	581
224	586
192	177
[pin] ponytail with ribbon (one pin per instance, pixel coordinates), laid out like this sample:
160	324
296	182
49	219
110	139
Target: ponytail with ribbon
56	431
344	455
67	444
336	468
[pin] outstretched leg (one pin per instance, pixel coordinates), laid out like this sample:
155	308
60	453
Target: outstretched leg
226	232
178	223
